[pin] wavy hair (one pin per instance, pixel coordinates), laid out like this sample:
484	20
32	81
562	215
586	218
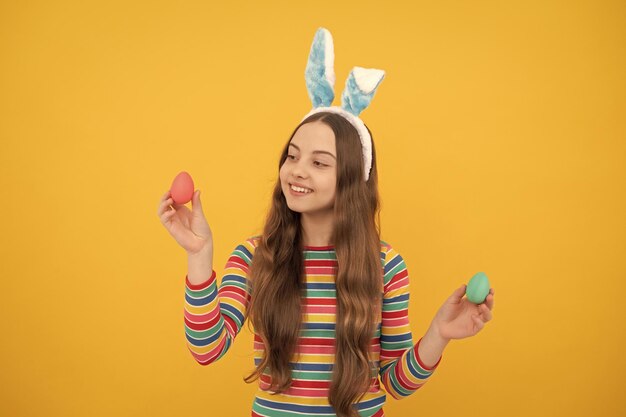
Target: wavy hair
277	270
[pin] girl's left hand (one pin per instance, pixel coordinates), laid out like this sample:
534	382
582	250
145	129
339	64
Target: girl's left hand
459	318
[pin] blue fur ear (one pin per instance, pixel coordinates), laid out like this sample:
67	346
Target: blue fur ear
360	88
319	73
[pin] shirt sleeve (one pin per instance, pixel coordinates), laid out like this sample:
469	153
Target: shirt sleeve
213	317
402	372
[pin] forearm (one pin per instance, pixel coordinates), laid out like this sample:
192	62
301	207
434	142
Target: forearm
200	266
407	373
214	314
431	347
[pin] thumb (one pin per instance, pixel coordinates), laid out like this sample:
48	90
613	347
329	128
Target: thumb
458	294
195	201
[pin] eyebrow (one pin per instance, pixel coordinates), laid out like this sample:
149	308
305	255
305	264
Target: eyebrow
326	152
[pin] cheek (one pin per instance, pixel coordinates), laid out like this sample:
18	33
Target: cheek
332	183
331	186
334	191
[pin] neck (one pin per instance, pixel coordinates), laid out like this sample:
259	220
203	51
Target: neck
317	229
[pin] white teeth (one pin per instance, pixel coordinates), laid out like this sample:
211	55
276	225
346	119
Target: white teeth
301	190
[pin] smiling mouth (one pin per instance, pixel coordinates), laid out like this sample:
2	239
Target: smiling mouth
300	190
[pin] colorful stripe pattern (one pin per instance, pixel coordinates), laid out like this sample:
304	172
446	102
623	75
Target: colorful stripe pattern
214	316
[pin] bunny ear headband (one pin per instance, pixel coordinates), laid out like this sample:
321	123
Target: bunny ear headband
357	94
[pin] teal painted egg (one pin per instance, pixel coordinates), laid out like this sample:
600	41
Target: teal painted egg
478	288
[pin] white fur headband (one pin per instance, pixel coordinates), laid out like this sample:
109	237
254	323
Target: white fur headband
358	92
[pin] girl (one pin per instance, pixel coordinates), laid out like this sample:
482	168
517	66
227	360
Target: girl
327	299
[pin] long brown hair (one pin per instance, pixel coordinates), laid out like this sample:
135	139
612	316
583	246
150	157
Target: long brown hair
276	275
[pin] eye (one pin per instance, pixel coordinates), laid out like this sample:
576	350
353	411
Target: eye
320	164
292	157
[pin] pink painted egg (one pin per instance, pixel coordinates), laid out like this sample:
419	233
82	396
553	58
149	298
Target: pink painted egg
182	188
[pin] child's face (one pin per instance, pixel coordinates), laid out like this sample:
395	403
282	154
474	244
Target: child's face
311	163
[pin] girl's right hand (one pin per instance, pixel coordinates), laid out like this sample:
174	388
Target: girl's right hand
188	227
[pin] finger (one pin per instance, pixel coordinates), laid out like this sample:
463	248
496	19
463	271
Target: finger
458	294
161	200
174	204
163	207
166	216
485	312
490	301
196	204
479	323
162	204
165	196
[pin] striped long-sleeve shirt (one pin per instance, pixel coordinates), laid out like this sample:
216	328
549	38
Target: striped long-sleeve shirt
214	316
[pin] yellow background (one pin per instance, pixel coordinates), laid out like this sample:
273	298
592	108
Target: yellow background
500	129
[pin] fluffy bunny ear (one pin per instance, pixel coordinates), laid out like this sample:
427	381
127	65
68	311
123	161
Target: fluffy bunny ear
360	88
319	73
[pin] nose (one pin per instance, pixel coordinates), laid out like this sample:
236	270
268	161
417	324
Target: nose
298	169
